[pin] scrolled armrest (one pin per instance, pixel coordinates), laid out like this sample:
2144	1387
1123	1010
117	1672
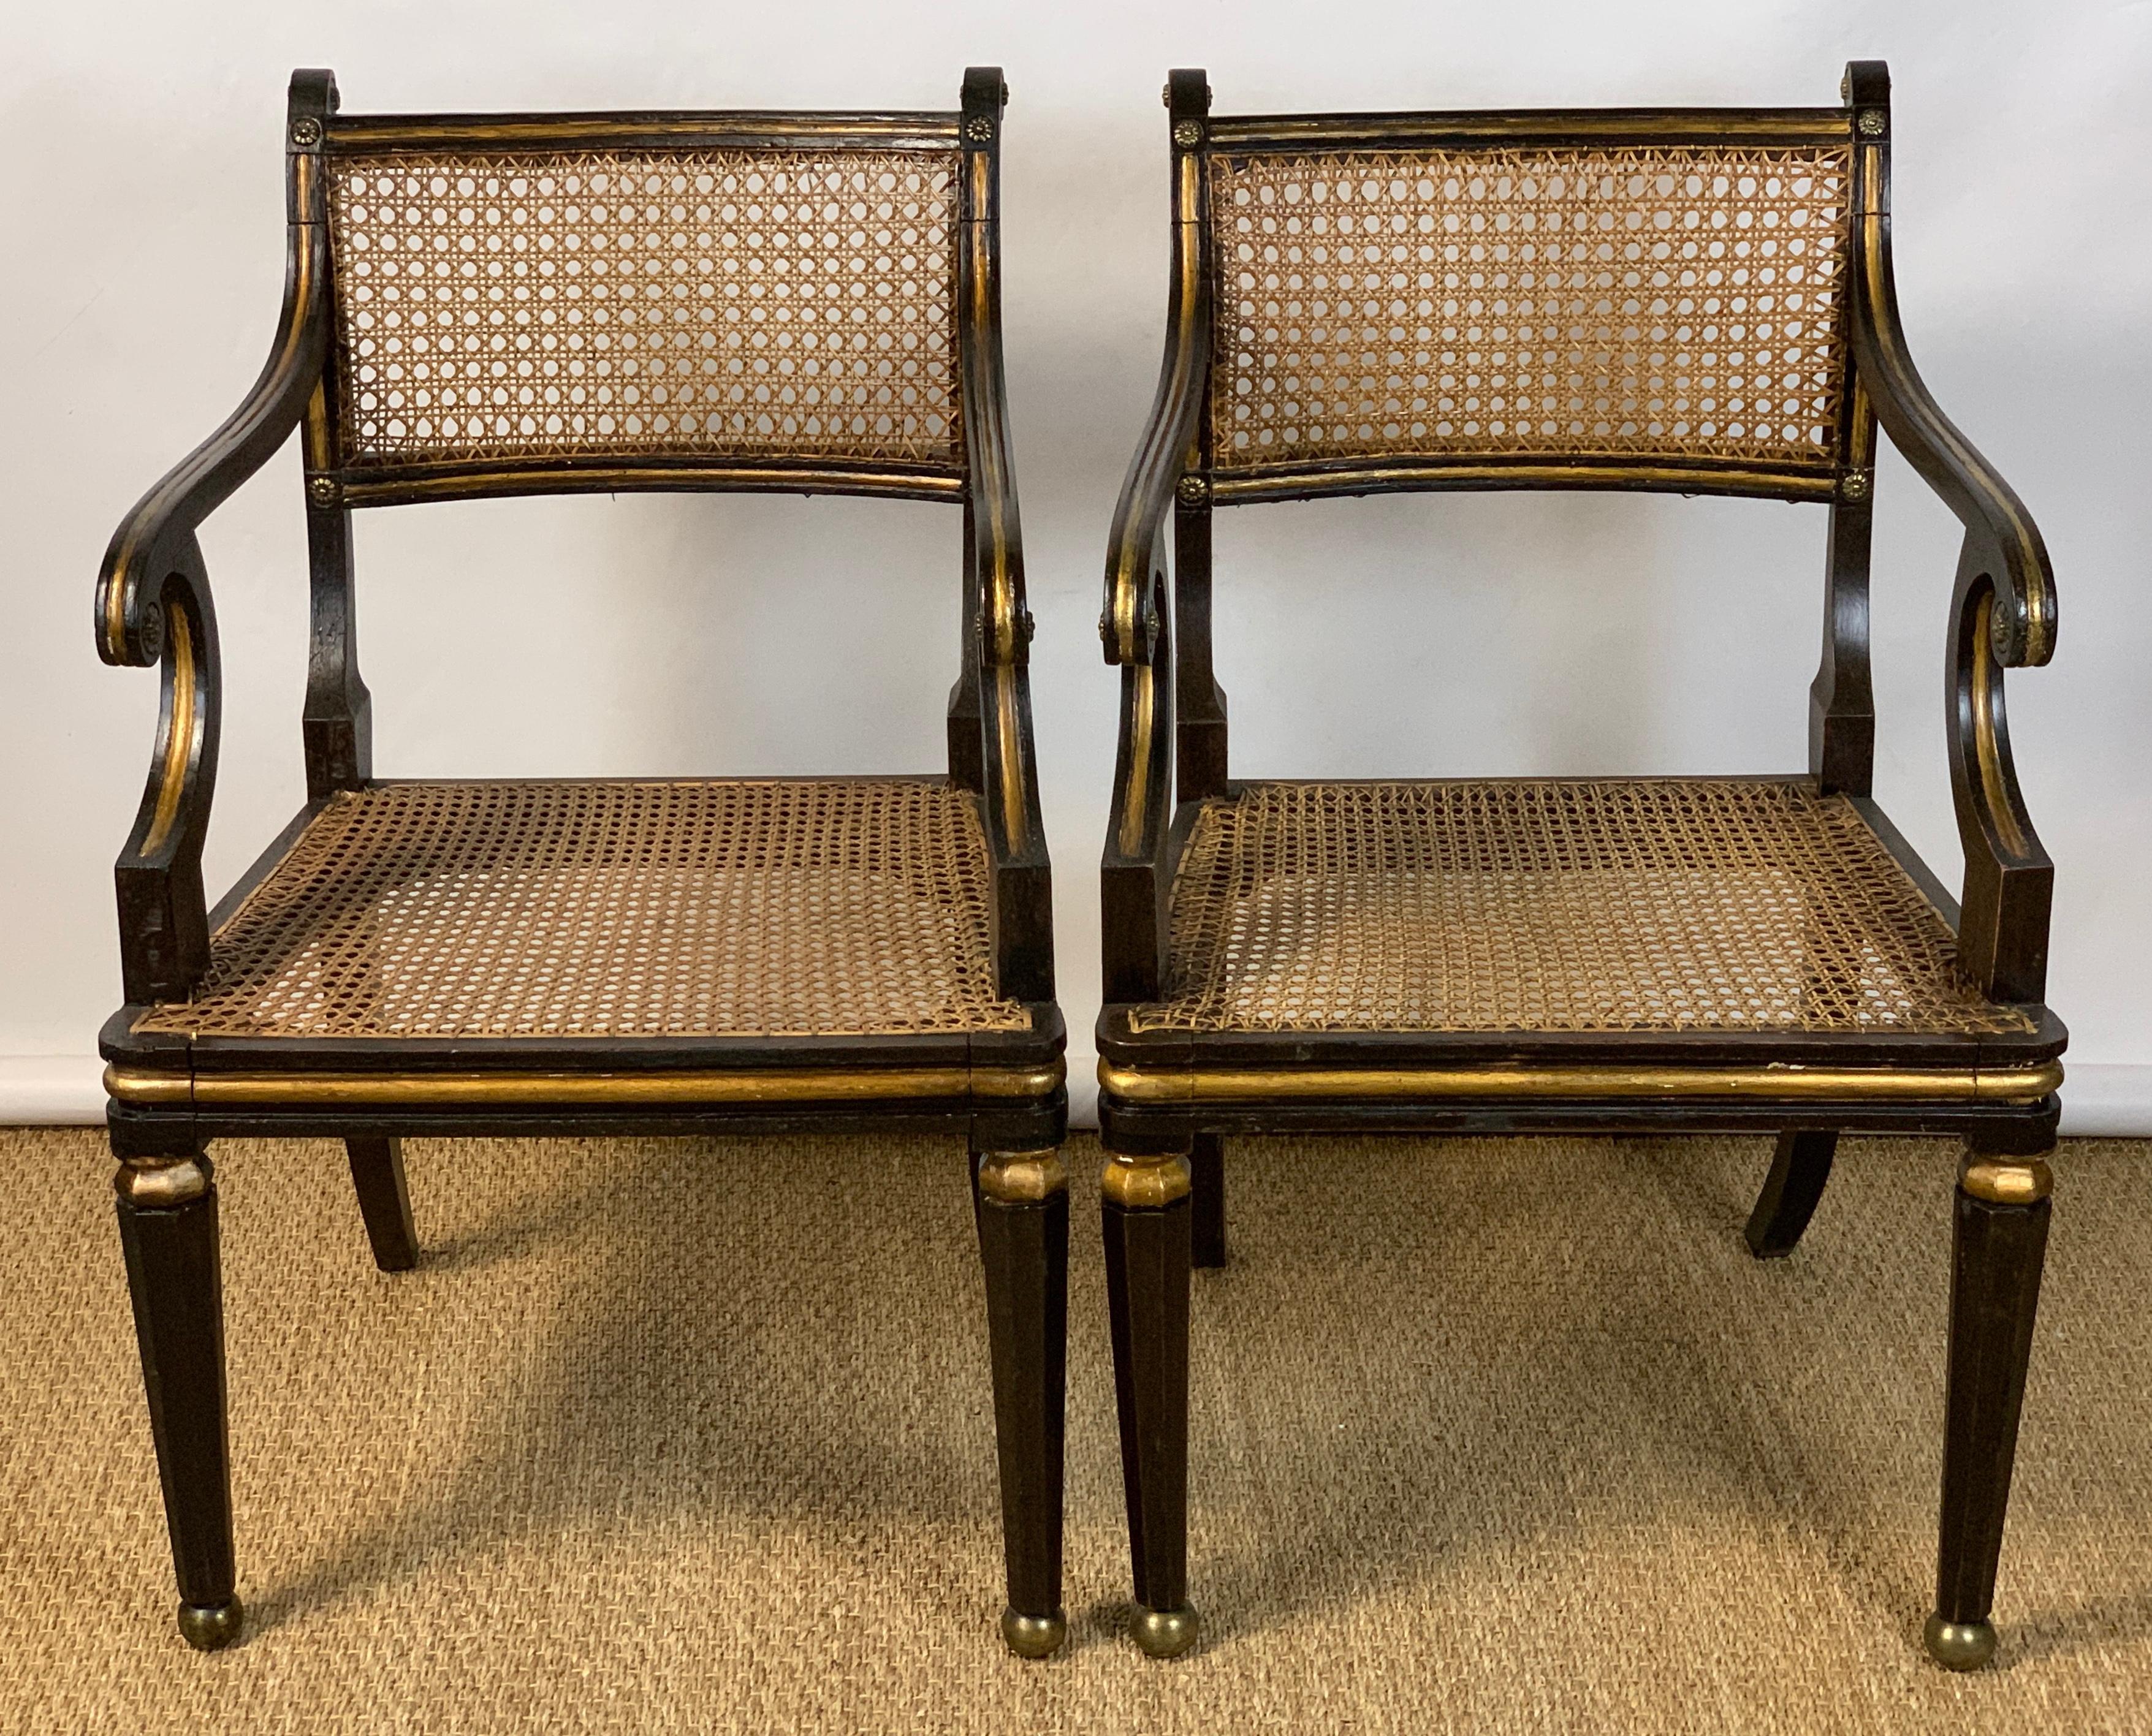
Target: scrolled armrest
1022	903
1135	870
2000	534
1135	553
154	537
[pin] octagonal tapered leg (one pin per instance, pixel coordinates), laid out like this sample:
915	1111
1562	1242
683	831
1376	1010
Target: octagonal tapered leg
168	1232
1148	1243
1998	1246
1022	1202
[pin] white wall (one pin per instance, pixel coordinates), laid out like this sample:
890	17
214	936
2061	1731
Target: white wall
140	157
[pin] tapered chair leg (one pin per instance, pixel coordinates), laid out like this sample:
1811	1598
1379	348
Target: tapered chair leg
1147	1222
168	1233
1206	1165
1999	1244
1021	1200
1799	1168
384	1202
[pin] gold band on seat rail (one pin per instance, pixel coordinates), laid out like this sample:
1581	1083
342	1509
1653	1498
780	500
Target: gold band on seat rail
1205	1084
796	1085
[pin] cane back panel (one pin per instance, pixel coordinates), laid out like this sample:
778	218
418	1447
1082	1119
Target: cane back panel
1605	303
1656	905
697	907
749	303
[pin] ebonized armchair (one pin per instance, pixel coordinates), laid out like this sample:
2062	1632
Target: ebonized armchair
1693	301
499	304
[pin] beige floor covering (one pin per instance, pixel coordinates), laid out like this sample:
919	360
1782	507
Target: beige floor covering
1489	1434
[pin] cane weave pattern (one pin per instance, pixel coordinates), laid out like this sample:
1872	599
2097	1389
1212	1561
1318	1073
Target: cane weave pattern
1601	303
1662	905
741	304
660	909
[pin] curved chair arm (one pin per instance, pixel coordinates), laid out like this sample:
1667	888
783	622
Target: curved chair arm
155	536
164	922
153	594
2002	607
2009	880
1136	870
1135	553
1998	526
1016	835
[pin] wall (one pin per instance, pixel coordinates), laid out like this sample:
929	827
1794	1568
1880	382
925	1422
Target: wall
141	151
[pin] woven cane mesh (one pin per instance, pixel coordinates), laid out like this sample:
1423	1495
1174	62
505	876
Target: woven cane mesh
647	303
719	908
1554	907
1636	303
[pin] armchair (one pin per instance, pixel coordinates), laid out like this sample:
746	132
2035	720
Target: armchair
1690	301
503	305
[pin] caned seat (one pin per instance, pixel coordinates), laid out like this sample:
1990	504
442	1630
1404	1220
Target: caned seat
1555	906
486	306
685	909
1685	301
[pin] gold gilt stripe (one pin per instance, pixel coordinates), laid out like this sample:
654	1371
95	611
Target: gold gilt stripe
1131	564
1015	823
306	267
1145	712
179	738
1742	126
388	486
2001	1085
1229	486
2039	633
391	132
1987	750
798	1085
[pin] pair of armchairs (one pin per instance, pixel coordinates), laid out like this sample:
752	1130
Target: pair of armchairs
1695	301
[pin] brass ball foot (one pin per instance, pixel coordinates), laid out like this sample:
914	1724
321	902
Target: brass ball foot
1034	1635
1960	1645
1164	1633
210	1627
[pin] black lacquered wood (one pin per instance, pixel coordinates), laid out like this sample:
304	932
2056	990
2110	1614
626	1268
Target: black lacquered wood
1024	1247
153	607
1199	702
1135	870
1800	1166
174	1280
1842	698
384	1201
164	922
2001	537
1206	1200
337	726
1996	1254
1147	1263
2009	879
1160	613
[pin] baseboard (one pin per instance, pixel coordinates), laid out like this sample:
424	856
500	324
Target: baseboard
2107	1100
2100	1099
62	1089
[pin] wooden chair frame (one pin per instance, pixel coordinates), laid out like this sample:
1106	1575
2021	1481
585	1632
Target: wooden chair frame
1003	1090
1168	1097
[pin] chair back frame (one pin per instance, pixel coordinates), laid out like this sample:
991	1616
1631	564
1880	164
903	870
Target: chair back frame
1173	746
153	599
